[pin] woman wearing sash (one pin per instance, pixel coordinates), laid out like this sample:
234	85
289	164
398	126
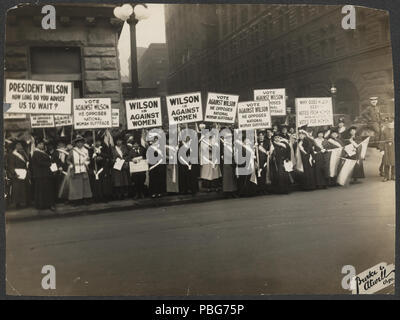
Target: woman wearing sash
279	175
78	161
263	159
188	170
43	178
354	140
157	170
321	157
333	142
229	183
136	154
210	170
172	169
246	170
18	166
304	154
120	171
101	166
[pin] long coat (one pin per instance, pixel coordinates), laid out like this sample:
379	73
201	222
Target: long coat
121	177
101	164
280	178
358	171
44	180
307	178
19	188
79	185
388	147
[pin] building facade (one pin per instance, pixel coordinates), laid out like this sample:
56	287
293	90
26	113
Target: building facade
153	68
302	48
82	49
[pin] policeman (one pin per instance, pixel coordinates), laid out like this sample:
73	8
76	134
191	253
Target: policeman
372	114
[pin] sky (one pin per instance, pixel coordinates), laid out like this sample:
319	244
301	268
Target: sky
150	30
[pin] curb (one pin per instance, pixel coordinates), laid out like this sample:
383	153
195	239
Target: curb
63	211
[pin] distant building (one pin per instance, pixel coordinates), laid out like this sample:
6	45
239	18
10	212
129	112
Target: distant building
303	48
126	72
153	68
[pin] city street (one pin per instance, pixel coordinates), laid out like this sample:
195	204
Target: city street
274	244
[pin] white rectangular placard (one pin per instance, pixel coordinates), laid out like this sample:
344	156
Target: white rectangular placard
254	115
184	108
276	98
38	97
221	108
93	113
42	121
314	112
143	113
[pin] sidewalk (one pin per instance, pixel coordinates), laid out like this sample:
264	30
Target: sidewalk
63	210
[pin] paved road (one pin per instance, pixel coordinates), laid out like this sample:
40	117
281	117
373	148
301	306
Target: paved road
265	245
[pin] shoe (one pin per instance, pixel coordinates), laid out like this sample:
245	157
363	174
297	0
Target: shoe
153	196
159	195
385	180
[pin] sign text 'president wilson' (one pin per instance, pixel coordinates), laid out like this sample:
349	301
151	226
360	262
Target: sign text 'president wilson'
184	108
38	97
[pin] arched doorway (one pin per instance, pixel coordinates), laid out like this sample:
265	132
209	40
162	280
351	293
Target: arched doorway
347	98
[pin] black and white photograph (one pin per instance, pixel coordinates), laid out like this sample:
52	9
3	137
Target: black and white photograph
198	150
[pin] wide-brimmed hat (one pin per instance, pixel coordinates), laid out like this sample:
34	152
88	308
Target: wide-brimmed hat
78	138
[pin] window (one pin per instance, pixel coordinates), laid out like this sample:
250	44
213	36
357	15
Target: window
55	60
244	14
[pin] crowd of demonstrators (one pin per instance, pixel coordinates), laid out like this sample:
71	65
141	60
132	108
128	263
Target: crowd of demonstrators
92	168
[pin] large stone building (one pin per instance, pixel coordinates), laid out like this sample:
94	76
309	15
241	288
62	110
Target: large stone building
82	49
303	48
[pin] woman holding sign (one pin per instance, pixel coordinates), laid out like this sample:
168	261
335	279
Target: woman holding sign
43	178
157	170
305	155
120	171
101	166
18	173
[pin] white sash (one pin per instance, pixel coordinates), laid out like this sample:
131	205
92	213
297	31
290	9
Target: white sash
80	159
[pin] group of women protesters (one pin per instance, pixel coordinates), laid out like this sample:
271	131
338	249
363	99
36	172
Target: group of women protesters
98	168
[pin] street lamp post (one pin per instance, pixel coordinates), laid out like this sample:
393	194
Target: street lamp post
132	21
333	94
132	14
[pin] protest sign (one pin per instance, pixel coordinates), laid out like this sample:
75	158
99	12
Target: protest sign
115	118
143	113
276	98
140	166
254	115
314	112
221	108
42	121
38	97
184	108
63	120
92	113
10	115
